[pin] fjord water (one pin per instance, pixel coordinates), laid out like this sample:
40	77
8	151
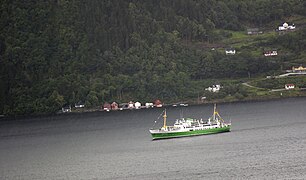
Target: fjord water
267	141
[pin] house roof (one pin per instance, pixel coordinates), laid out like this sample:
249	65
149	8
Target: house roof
299	68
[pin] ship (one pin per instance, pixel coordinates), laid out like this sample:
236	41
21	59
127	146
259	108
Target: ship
184	127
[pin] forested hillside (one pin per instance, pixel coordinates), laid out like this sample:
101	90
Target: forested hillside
58	52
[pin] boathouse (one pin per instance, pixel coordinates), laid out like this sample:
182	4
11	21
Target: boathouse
158	103
137	105
80	104
114	106
131	105
66	108
106	106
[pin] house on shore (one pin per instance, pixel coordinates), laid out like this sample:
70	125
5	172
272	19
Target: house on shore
66	109
158	103
137	105
106	106
131	105
79	105
149	105
114	106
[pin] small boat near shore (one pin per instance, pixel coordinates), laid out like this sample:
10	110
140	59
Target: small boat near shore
191	127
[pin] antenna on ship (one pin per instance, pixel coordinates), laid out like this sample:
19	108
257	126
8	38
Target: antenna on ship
165	119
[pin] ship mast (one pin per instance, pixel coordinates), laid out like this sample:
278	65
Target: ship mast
220	119
165	120
215	112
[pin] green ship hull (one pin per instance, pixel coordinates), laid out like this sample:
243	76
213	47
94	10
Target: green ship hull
172	134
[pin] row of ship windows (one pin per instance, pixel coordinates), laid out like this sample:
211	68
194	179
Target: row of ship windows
198	129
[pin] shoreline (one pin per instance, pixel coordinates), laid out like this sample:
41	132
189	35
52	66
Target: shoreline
189	102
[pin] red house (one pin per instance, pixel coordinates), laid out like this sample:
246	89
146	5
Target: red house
289	86
158	103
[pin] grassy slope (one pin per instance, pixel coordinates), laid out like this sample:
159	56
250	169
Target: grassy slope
250	44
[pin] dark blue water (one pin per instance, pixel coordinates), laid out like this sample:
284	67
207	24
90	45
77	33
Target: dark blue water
268	141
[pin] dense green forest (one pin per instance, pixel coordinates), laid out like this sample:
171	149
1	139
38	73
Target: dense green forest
58	52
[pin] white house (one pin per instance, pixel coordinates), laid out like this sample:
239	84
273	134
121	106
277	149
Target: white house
148	105
131	105
270	53
215	88
230	51
286	26
66	109
289	86
137	105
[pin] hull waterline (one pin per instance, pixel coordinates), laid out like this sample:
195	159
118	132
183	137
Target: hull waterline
167	135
